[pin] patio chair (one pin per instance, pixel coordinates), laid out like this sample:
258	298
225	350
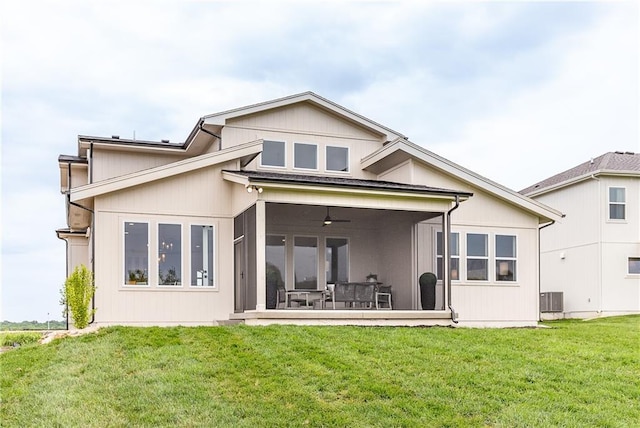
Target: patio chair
383	296
281	294
365	294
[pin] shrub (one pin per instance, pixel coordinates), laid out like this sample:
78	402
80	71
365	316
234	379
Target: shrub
9	339
76	295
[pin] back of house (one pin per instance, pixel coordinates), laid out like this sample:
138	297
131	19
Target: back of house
264	208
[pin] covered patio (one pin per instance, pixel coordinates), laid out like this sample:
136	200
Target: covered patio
302	237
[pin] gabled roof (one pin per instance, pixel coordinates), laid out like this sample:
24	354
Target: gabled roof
400	150
610	163
345	182
244	152
219	119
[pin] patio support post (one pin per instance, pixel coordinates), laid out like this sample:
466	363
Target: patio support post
261	275
447	275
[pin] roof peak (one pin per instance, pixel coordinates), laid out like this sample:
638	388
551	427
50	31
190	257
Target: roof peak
610	161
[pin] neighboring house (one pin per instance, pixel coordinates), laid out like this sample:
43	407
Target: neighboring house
592	255
190	233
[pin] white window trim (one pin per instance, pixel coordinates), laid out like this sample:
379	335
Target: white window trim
487	258
285	156
609	203
333	171
294	157
437	256
123	253
181	285
191	286
514	259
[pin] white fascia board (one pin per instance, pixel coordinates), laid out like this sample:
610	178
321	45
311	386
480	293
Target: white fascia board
583	177
220	119
164	171
324	188
546	213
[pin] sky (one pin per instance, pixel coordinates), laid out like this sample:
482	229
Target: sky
514	91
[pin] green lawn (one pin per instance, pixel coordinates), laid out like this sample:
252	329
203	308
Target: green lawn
575	374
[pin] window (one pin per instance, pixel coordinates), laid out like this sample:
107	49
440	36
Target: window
305	156
337	159
305	261
634	265
273	153
505	258
454	243
477	257
136	253
202	269
275	256
169	254
616	203
337	260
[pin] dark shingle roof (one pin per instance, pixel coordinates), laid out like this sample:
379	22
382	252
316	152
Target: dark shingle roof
319	180
71	159
611	161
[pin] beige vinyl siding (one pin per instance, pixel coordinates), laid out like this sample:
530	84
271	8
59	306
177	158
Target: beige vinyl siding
302	119
199	197
303	123
489	301
110	163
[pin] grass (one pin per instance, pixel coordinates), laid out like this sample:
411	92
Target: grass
574	374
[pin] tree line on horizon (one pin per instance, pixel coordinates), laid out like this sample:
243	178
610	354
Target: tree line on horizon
33	325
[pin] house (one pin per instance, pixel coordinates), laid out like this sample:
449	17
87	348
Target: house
301	192
592	256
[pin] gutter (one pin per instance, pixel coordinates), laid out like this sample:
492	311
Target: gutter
209	132
447	271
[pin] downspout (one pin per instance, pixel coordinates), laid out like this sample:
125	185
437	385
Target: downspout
66	245
210	133
448	274
539	268
93	244
93	241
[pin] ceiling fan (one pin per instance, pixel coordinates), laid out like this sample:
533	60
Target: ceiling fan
328	220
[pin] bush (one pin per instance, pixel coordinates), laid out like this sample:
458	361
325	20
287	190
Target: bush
77	293
9	339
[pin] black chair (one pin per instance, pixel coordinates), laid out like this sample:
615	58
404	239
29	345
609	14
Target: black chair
428	290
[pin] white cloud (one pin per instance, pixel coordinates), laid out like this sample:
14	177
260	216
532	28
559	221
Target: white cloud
589	107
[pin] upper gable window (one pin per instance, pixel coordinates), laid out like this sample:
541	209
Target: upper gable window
616	203
337	159
273	153
305	156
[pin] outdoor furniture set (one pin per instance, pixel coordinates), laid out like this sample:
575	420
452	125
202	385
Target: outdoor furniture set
351	294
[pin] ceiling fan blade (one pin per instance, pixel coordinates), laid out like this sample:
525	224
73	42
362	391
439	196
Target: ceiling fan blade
328	220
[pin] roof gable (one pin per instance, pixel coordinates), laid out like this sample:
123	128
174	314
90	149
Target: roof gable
223	118
400	150
245	153
627	163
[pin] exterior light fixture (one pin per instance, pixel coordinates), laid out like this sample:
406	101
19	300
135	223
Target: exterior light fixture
250	188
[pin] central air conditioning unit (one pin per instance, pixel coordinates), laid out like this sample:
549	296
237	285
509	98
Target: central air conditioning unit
551	301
